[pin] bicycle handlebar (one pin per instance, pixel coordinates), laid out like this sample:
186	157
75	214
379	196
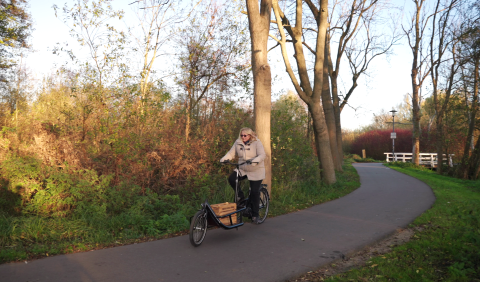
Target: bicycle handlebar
237	164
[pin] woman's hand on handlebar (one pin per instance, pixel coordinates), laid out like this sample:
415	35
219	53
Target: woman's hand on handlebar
249	162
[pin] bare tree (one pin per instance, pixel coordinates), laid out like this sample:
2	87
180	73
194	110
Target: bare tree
15	94
415	33
157	20
310	95
210	58
474	162
442	40
362	36
90	24
469	53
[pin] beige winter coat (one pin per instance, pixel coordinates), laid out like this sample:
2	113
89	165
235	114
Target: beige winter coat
253	151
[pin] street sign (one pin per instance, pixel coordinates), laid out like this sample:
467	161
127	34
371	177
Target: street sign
393	135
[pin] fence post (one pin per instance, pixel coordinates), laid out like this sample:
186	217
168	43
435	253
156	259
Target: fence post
363	154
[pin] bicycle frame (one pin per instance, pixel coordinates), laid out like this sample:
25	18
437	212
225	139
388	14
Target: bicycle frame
237	183
214	220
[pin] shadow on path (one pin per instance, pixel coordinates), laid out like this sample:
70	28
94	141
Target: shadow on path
281	248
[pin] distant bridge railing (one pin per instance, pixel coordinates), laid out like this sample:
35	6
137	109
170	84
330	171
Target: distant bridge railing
426	159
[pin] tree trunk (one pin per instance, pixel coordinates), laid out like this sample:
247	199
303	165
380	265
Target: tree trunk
318	116
463	169
262	103
330	116
338	130
309	121
187	124
143	88
439	144
322	142
259	26
416	119
473	163
336	102
416	85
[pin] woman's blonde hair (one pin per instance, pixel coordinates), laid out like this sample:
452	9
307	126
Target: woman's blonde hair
248	131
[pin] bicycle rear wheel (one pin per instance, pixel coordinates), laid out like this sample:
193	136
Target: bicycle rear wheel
263	206
198	228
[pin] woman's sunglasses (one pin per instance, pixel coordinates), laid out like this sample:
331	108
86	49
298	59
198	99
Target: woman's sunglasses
243	135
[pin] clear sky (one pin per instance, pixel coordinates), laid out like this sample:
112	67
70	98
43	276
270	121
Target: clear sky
388	82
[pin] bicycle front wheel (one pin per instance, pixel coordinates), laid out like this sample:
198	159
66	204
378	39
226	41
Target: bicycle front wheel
263	206
198	228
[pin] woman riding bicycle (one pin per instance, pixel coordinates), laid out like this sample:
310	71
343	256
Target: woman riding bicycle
250	150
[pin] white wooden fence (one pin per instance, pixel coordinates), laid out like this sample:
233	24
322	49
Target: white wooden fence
427	159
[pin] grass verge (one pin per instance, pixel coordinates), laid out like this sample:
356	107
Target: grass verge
30	237
448	246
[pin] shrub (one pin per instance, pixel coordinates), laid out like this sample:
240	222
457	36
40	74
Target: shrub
50	191
166	224
377	142
365	160
292	152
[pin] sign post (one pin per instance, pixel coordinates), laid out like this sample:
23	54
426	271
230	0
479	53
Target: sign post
393	135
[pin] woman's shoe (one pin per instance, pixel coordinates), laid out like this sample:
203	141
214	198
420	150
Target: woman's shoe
255	220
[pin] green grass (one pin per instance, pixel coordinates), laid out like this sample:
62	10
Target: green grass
25	237
290	197
448	247
30	237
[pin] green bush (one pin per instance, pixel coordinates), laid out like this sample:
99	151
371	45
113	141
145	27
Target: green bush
49	191
366	160
293	156
21	176
166	224
81	192
46	191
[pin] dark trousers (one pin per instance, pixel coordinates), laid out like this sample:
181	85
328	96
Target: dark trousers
254	199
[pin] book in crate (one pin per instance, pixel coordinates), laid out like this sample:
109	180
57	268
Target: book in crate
223	209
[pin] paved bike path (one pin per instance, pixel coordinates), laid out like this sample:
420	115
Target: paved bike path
281	248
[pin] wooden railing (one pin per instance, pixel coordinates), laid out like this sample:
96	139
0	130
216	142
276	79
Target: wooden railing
426	159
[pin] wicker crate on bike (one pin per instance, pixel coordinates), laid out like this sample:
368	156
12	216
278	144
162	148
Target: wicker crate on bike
223	209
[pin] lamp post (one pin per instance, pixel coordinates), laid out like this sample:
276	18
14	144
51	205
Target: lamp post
393	135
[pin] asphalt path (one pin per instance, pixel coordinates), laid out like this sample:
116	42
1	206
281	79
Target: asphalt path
282	248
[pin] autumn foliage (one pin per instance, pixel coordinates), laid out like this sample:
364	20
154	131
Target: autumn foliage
377	142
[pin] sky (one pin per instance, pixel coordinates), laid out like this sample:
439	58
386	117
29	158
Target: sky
384	88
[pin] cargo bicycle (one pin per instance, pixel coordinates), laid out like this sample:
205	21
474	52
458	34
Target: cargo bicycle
227	216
